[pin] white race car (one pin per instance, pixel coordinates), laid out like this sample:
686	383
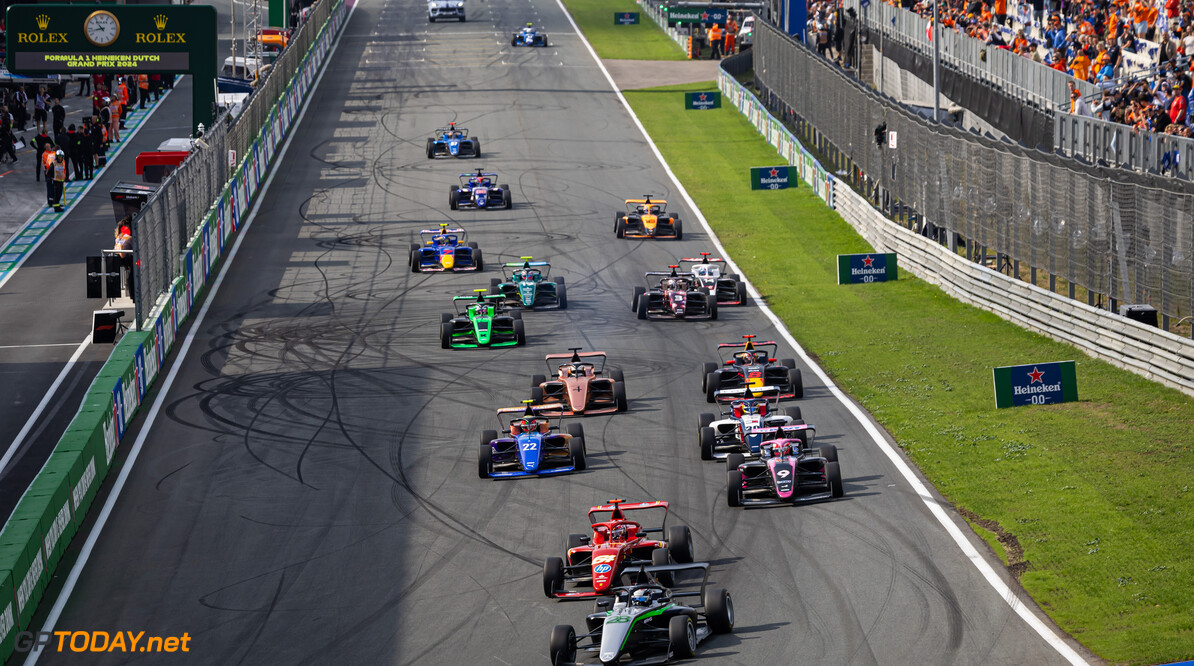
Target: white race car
750	420
445	9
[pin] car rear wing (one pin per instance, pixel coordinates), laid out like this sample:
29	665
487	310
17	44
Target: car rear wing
477	173
704	260
769	392
445	230
742	345
444	130
782	429
540	411
649	574
525	264
617	510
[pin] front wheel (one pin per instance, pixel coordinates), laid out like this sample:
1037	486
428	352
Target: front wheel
681	637
507	197
485	461
478	260
719	610
562	646
562	295
679	227
642	306
553	576
638	292
620	396
520	334
708	367
445	335
833	472
476	148
740	289
706	437
536	395
712	385
576	449
734	488
431	143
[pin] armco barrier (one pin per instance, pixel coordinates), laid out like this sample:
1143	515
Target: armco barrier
54	506
1144	350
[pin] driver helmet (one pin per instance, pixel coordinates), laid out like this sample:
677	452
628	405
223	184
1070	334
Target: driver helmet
641	597
744	357
529	24
619	533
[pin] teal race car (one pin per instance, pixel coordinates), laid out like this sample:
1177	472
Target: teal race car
527	286
483	322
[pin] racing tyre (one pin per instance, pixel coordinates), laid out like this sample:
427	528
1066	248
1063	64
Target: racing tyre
787	363
537	380
797	382
507	197
515	314
444	317
681	637
476	147
679	227
793	413
536	395
663	557
638	291
562	646
712	385
431	19
430	143
616	375
462	19
445	335
473	245
576	449
575	541
708	367
562	296
719	610
479	260
706	437
553	576
488	436
494	282
520	334
828	452
620	396
642	308
705	419
619	226
734	461
453	197
834	474
734	488
576	430
713	309
679	542
740	288
513	41
731	276
559	279
484	460
414	261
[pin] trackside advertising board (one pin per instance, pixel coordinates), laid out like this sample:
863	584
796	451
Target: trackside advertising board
1035	384
770	178
705	15
863	268
626	18
702	101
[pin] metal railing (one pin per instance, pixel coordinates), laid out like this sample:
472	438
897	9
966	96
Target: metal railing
1115	144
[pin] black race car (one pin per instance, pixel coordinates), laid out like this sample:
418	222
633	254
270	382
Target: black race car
710	272
787	471
753	367
675	296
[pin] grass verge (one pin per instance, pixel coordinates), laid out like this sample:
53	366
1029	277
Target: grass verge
1091	500
644	41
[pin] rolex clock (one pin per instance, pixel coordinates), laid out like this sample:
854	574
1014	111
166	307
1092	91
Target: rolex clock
102	28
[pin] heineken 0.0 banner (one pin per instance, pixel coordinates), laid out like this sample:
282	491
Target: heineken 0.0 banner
705	15
702	100
1035	384
861	268
626	18
770	178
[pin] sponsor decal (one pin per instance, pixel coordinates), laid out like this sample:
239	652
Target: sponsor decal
118	408
602	568
29	582
626	18
80	490
866	268
702	101
770	178
1035	384
604	558
110	438
61	520
7	621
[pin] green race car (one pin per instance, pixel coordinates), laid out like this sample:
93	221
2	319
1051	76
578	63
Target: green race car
527	286
482	323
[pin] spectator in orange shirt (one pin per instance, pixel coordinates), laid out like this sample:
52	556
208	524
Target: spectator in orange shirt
1080	66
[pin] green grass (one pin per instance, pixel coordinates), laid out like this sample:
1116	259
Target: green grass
644	41
1097	493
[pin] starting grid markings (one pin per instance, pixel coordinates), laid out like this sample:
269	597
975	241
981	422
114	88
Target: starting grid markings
39	226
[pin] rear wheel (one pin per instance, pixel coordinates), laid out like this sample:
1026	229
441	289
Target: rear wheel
553	576
620	226
662	557
793	413
431	19
719	610
562	646
712	308
562	296
833	472
559	279
537	380
796	381
706	437
484	460
679	542
445	335
705	419
536	395
430	143
828	452
507	197
679	227
638	292
708	367
642	306
734	487
681	636
620	396
473	245
444	317
575	541
494	282
462	19
712	385
576	449
787	362
415	255
520	334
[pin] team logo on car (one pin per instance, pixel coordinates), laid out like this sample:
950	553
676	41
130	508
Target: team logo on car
602	568
604	558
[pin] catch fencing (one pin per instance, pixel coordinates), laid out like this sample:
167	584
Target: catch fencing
1103	141
169	220
1108	231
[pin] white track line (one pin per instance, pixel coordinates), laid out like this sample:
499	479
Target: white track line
45	400
935	507
50	344
164	390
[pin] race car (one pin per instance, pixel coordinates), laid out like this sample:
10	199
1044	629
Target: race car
529	36
596	560
445	249
579	387
648	622
533	448
445	9
676	296
482	323
476	190
647	218
747	422
728	289
751	366
453	141
526	285
786	472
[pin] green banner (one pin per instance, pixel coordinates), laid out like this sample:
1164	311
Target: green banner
710	99
625	18
1035	384
866	268
770	178
8	613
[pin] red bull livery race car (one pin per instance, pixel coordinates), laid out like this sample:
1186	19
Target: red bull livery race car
751	365
445	250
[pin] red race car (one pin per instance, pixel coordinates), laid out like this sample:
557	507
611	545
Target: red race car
596	560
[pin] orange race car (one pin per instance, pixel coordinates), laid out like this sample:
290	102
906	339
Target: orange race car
647	218
580	386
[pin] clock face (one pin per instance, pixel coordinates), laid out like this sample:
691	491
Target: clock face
102	28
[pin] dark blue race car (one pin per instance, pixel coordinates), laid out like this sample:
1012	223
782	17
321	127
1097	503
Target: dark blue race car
529	36
478	190
443	250
533	447
453	141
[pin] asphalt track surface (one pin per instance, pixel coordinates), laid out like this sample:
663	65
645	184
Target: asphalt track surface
309	494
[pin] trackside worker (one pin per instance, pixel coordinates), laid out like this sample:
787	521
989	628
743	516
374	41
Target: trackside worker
124	102
731	35
715	36
143	85
114	123
47	164
57	185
